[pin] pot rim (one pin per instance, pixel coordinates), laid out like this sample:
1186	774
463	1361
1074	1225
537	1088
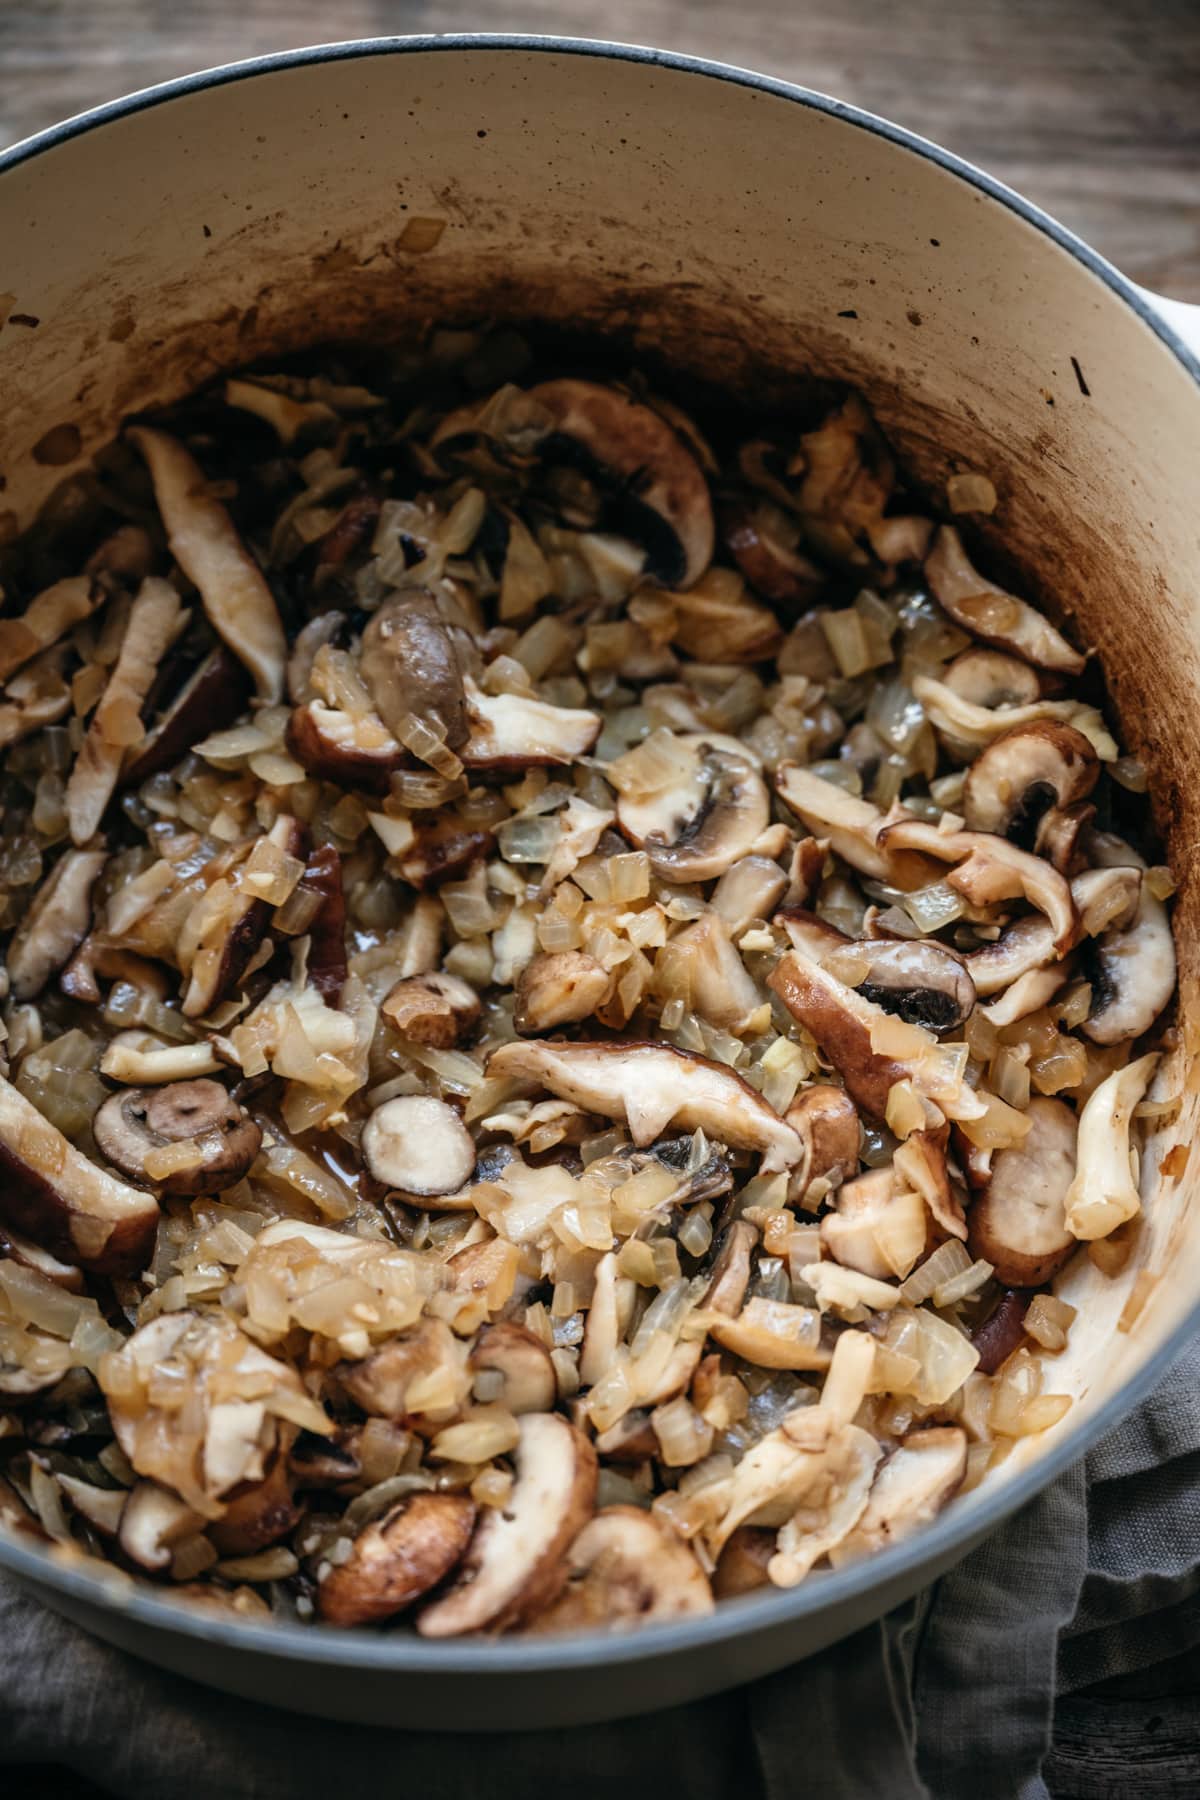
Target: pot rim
979	1513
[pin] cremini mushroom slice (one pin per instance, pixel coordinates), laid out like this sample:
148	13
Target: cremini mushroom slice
418	1144
514	1564
20	1249
38	696
1002	1331
921	1162
411	671
632	1439
989	869
992	679
918	979
48	617
700	966
1019	1222
211	698
845	1026
662	500
651	1086
749	889
56	923
826	1120
1104	1192
258	1513
237	600
509	733
153	1522
215	1140
850	827
742	1565
988	612
155	620
356	749
627	1568
879	1227
755	536
139	1059
1132	971
380	1383
225	929
559	988
1027	994
706	820
520	1365
100	1507
1024	772
61	1199
964	728
397	1559
911	1487
438	1009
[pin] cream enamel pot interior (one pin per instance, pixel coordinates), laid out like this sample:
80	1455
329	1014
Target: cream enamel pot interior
750	232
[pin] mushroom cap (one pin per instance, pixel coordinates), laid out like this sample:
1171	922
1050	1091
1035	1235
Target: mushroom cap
989	869
154	1519
418	1144
410	668
437	1009
625	1568
700	826
135	1121
1018	1223
396	1559
826	1119
918	979
910	1487
514	1565
1023	773
1132	968
662	498
55	924
559	988
992	679
524	1363
990	613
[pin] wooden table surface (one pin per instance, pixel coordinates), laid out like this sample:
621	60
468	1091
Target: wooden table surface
1089	107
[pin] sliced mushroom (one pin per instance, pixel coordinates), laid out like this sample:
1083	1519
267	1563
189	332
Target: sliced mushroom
849	826
212	697
830	1506
522	1361
1104	1192
443	848
37	1366
39	695
749	889
155	620
607	1317
730	1275
918	979
258	1513
418	1144
1001	1332
514	1565
1028	993
139	1059
559	989
132	1124
651	1086
1132	970
989	869
380	1383
353	531
354	749
716	622
1023	773
56	923
100	1507
397	1559
700	826
965	729
879	1227
632	1439
64	1202
921	1162
226	928
1018	1223
701	967
509	733
153	1522
23	1250
661	498
990	679
1061	835
626	1568
988	612
325	629
911	1487
742	1565
47	618
287	417
754	536
826	1120
825	1466
440	1010
128	552
204	542
327	968
411	670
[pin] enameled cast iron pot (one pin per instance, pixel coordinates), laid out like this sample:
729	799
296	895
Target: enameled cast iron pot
737	226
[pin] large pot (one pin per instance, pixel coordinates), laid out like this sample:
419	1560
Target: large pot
746	230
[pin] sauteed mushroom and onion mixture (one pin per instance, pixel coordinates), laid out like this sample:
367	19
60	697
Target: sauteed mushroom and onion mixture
572	982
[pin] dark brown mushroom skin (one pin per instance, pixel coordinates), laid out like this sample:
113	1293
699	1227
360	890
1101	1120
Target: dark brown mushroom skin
788	580
135	1120
351	531
846	1040
445	847
327	933
398	1559
827	1120
1002	1331
742	1565
317	754
212	697
257	1513
409	666
32	1205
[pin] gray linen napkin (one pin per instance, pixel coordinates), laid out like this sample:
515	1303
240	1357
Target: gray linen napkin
952	1695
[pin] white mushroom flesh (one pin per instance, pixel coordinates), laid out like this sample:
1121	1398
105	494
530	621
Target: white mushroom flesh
1104	1193
418	1144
